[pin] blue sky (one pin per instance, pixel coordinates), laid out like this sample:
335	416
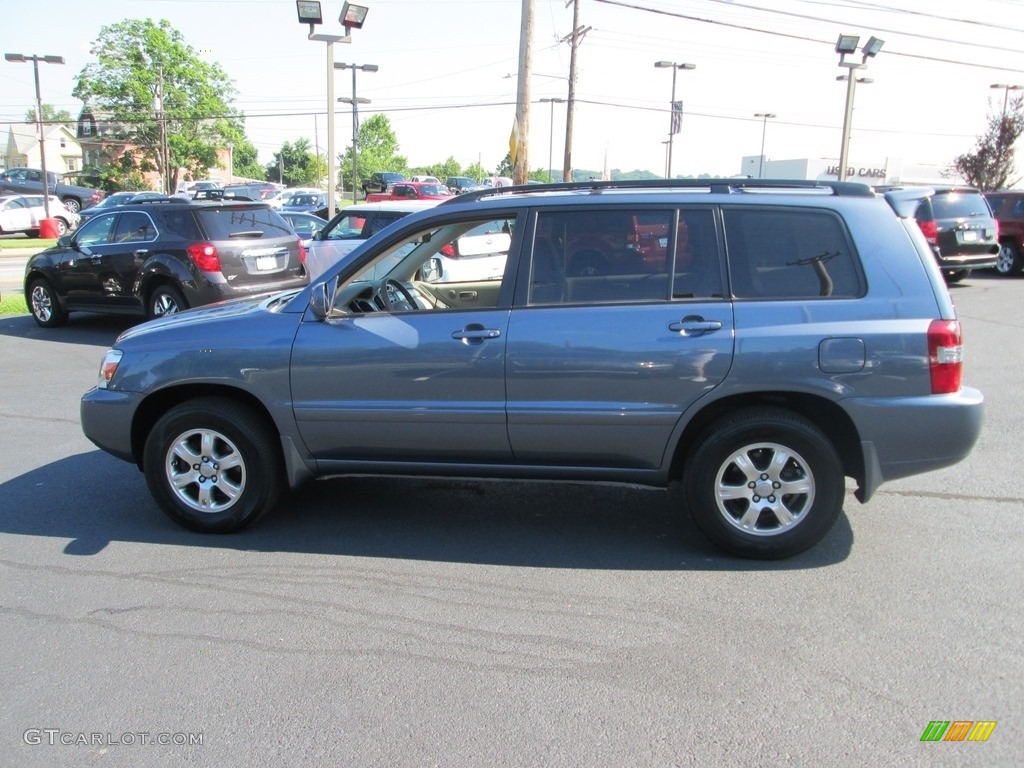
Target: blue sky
443	67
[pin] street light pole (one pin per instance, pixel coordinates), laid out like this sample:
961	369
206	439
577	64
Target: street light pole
847	44
352	17
39	117
355	117
672	107
764	129
551	133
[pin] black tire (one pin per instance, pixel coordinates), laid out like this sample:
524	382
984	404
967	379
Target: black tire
165	300
44	305
32	233
230	486
73	204
1010	262
747	512
956	275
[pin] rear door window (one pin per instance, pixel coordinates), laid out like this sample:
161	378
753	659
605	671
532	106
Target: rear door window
134	227
596	255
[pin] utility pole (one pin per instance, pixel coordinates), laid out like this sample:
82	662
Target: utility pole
521	161
573	38
161	116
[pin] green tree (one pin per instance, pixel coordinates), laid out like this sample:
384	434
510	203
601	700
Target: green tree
990	165
143	67
505	166
246	161
50	115
301	167
378	151
475	171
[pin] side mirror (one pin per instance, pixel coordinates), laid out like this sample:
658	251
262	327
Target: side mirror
431	270
321	298
64	240
318	235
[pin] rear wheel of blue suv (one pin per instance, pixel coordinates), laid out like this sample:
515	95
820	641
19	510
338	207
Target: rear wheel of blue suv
751	343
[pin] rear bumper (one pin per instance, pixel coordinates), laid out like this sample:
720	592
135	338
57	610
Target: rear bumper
907	436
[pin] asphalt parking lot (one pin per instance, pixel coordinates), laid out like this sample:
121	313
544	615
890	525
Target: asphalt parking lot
373	622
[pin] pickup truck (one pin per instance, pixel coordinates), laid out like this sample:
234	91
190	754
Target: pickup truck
380	181
29	181
411	190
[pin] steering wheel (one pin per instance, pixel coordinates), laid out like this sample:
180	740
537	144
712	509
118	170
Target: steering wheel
391	291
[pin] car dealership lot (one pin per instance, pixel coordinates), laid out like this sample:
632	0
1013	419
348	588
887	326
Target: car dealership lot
422	622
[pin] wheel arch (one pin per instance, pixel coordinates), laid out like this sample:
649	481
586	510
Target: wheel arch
39	274
157	404
825	414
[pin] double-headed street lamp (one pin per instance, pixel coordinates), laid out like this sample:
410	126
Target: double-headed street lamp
675	114
845	45
551	133
764	128
19	57
352	17
355	118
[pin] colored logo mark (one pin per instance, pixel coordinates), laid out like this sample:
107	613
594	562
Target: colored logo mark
958	730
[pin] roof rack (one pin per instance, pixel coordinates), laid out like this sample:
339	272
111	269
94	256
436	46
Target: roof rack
157	201
714	186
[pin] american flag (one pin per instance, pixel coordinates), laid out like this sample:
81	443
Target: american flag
677	117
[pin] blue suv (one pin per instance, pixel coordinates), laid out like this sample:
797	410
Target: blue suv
751	343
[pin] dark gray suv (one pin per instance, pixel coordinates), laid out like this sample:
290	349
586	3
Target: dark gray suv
161	256
750	342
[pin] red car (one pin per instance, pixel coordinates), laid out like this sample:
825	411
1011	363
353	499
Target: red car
411	190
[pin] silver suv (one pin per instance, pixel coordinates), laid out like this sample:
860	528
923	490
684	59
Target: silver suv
752	342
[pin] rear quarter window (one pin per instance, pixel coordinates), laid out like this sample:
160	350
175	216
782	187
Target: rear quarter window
790	254
222	223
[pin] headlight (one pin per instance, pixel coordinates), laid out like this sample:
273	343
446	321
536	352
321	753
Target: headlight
108	367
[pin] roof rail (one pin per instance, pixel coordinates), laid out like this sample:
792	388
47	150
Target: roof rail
720	186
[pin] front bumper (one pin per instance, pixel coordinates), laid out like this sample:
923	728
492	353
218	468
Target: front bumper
107	418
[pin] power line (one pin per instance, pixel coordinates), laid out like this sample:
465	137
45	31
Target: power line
802	38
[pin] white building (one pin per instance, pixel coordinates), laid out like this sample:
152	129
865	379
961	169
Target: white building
63	152
891	170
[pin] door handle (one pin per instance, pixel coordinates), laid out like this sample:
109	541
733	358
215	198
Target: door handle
141	252
475	334
695	325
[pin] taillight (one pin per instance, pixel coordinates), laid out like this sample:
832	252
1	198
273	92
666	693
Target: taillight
448	250
930	230
205	256
302	252
945	356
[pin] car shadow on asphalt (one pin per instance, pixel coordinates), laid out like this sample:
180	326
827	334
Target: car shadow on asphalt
524	524
81	328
